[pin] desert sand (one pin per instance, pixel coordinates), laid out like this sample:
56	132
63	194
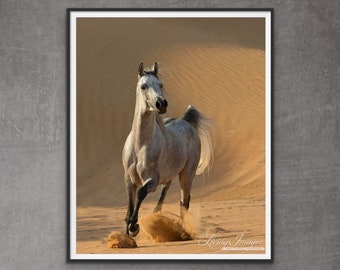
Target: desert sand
216	65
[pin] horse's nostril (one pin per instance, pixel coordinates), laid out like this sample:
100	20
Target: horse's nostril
158	104
165	103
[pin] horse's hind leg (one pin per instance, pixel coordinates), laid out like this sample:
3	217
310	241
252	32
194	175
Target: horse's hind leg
185	180
165	189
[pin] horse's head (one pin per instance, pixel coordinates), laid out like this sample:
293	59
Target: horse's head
151	89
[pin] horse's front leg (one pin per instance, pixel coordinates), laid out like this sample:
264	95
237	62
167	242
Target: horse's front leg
131	193
149	185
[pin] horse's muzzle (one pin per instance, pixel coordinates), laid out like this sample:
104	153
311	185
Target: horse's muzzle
161	105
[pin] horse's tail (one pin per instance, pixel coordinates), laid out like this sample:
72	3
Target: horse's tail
202	124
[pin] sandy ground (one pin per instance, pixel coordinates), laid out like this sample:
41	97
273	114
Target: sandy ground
214	223
216	65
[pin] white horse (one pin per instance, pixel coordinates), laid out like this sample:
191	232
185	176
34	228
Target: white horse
156	151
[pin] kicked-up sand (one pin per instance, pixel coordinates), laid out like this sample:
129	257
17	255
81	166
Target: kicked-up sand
210	227
217	65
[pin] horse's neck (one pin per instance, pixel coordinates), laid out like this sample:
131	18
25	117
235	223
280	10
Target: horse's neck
143	128
147	125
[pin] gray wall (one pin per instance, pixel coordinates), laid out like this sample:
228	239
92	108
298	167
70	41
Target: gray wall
33	124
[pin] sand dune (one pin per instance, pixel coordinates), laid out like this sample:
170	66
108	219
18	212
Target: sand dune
218	66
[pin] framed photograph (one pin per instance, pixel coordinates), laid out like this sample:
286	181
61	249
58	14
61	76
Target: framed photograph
170	134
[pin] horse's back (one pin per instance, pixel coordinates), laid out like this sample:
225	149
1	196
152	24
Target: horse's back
183	134
181	128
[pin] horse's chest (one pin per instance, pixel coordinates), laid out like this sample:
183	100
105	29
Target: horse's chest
144	166
147	159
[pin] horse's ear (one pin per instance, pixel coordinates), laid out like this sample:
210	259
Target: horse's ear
155	68
140	69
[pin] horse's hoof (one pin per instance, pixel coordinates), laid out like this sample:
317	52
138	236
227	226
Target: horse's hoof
133	230
156	210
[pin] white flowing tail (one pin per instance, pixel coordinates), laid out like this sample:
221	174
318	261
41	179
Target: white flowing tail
202	124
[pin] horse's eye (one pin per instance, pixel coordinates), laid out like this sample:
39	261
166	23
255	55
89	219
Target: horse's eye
144	86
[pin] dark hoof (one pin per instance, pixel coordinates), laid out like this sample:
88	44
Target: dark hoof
156	210
133	230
